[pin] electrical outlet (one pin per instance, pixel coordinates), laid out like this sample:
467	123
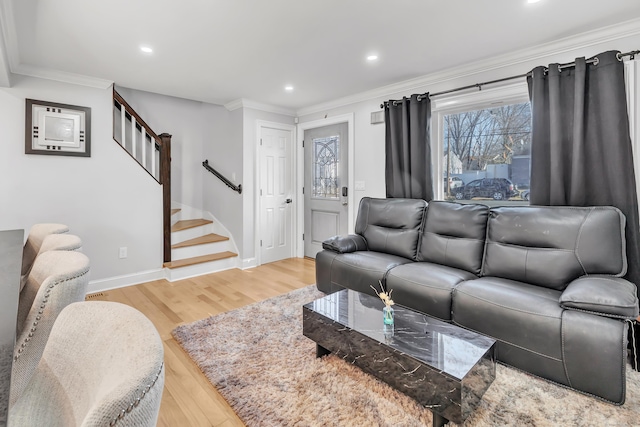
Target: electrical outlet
123	252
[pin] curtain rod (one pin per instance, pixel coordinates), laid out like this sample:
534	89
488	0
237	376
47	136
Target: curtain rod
595	61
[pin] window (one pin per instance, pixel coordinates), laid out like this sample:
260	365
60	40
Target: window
325	167
486	155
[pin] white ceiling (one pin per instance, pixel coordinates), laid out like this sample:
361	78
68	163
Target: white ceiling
223	50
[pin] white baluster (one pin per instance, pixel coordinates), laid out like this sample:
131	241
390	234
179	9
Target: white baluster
153	157
133	136
144	146
123	114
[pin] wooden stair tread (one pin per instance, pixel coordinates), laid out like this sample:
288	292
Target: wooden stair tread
175	211
199	259
189	223
202	240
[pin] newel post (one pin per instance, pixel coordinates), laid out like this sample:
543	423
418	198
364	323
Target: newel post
165	180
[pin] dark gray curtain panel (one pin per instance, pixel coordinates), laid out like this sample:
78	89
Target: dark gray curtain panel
408	148
581	148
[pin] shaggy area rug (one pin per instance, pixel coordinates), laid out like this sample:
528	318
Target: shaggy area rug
266	369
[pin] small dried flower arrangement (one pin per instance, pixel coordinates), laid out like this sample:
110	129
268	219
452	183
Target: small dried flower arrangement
384	295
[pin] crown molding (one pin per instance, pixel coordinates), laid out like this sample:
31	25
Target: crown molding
234	105
581	41
247	103
61	76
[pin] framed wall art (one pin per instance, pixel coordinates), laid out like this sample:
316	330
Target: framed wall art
57	129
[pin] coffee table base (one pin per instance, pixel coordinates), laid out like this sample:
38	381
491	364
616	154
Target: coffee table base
321	351
438	420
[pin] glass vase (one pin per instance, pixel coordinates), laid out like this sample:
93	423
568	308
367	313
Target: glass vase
387	315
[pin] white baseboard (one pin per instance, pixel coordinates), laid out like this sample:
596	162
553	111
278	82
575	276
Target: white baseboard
248	263
126	280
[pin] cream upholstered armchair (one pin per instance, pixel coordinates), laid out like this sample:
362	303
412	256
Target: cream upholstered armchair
57	279
56	242
37	234
103	366
61	242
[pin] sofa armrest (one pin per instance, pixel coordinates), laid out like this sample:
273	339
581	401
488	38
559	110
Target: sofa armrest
345	244
602	295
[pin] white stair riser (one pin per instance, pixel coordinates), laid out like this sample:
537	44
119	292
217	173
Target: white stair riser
199	250
200	269
190	233
186	212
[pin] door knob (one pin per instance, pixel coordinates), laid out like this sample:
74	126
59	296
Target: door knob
288	201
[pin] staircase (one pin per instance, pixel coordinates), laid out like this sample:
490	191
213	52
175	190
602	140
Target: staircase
199	246
192	245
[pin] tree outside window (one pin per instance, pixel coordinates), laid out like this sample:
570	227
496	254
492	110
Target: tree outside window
492	143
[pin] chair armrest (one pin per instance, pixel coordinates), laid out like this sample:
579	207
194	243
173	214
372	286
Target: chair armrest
602	295
345	244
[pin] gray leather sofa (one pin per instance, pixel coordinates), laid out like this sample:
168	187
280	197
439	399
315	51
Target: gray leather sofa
545	282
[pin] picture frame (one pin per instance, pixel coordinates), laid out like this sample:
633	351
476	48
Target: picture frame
57	129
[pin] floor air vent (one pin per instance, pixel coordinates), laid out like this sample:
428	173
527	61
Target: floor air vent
99	294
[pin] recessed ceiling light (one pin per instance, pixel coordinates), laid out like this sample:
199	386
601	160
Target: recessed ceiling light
288	88
533	1
146	49
372	57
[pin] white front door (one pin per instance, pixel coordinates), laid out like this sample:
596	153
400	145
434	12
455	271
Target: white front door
325	185
276	192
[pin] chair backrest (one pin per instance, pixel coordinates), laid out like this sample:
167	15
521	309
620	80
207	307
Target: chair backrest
61	242
103	365
37	233
56	242
57	279
391	225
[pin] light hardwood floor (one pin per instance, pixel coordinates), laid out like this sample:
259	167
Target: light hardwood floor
189	400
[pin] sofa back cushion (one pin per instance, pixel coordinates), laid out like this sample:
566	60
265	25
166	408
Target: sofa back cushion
391	225
551	246
454	234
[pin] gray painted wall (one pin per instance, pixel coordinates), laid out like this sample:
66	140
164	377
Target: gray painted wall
107	199
222	146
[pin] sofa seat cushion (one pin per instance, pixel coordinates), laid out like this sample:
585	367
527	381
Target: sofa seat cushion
526	316
362	269
426	287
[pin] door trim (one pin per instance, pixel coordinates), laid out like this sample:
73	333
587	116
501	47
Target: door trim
342	118
260	124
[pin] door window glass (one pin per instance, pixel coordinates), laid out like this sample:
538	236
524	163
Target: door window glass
325	167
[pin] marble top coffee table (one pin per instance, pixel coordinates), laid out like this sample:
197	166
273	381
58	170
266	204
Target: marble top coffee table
444	367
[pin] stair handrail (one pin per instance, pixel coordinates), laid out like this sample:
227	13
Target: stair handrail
161	143
231	185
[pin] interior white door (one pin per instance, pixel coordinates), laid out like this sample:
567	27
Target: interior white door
276	191
325	187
